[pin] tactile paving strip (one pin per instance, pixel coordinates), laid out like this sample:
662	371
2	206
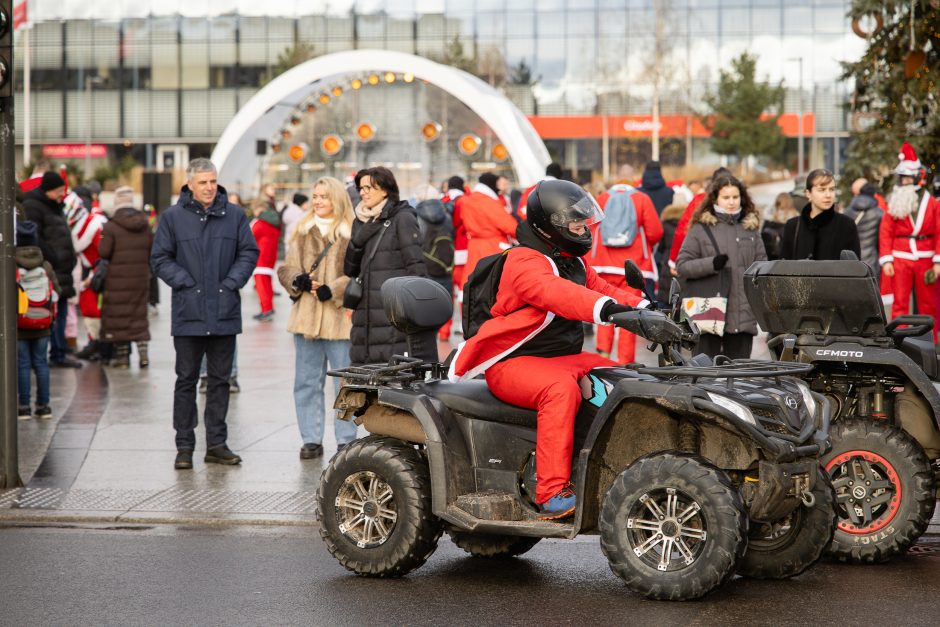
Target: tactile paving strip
104	499
8	497
176	500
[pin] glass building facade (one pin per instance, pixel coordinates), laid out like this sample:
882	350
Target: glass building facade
134	75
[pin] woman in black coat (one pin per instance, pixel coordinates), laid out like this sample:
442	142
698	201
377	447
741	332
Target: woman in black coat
385	243
819	233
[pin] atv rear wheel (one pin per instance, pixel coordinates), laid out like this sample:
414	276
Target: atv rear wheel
492	546
673	527
885	492
374	508
787	547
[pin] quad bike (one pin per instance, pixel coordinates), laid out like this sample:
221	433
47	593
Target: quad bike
882	380
689	472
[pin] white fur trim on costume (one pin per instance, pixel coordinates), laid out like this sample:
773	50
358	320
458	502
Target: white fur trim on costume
481	368
460	257
603	300
643	304
920	254
485	190
261	270
886	259
887	299
609	270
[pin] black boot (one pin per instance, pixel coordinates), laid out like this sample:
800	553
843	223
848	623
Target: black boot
90	352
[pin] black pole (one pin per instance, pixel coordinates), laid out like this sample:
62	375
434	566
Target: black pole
9	460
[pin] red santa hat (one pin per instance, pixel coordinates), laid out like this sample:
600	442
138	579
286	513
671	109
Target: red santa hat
909	163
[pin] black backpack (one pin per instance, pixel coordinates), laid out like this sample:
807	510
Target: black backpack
438	249
479	294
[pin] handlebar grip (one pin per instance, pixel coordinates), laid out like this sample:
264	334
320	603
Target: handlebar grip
914	325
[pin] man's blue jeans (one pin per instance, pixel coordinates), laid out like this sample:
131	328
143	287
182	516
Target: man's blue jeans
312	357
59	345
31	355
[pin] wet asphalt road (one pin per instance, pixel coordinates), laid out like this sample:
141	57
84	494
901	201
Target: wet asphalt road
284	576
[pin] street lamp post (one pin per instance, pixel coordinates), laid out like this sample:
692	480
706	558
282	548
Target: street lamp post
799	146
90	81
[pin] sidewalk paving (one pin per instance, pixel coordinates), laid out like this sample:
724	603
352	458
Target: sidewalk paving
107	455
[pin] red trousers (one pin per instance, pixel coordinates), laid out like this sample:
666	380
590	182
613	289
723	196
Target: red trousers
604	334
910	275
550	386
265	292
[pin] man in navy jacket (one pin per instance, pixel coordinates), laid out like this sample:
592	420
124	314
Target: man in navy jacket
205	251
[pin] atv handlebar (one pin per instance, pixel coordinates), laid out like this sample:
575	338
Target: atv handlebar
914	325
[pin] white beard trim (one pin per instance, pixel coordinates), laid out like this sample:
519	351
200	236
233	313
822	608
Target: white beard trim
902	201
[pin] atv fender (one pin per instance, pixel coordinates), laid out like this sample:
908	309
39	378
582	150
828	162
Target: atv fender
852	353
639	419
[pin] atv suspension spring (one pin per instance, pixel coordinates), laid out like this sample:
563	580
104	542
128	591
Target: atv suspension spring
688	437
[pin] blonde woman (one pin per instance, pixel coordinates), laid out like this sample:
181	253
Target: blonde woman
313	275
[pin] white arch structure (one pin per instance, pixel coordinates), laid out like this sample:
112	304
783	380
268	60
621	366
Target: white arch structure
235	155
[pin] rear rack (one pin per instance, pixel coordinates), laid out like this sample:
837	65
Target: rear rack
399	369
725	368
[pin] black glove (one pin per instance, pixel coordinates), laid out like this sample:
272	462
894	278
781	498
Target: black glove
655	305
363	232
324	292
720	261
302	283
611	307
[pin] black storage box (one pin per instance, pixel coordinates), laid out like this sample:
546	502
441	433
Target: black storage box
815	297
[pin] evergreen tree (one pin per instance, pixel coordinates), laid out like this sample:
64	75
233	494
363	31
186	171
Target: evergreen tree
288	58
897	87
736	110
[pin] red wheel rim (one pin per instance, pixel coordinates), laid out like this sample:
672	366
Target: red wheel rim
885	469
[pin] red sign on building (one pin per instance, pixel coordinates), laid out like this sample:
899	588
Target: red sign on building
74	151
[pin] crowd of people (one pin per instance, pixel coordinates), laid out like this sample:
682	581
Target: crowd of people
340	243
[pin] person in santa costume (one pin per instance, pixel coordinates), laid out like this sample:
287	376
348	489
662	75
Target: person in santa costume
909	239
630	230
489	228
266	227
530	350
86	227
453	204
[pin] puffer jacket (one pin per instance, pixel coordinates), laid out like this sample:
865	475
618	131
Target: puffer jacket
206	256
739	238
373	337
125	243
309	316
27	258
55	238
866	213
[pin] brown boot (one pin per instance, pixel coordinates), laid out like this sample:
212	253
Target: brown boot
142	353
122	355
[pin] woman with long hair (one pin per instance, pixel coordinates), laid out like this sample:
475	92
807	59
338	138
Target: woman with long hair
313	276
726	217
385	243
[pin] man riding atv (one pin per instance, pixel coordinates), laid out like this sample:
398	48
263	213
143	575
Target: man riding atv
530	350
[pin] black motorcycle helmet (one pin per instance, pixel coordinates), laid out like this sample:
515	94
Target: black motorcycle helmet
553	205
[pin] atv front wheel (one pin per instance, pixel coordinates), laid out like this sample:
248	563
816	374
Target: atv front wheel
787	547
488	545
673	527
374	508
885	492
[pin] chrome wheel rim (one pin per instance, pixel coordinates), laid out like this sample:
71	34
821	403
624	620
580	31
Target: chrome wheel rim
366	509
666	530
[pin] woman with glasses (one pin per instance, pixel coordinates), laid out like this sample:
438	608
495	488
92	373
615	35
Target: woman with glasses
385	243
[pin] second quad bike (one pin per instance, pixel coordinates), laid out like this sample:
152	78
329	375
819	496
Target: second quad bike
882	380
689	472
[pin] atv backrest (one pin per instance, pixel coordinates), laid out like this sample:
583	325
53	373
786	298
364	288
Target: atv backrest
417	307
815	297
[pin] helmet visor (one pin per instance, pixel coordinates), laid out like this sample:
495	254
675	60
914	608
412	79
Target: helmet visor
585	210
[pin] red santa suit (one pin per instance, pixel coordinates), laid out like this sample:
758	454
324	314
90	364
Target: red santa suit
460	239
86	228
911	243
541	303
608	262
267	229
489	228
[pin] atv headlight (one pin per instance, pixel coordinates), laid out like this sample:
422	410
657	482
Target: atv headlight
734	407
808	399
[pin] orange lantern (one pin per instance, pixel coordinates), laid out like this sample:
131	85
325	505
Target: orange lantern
324	98
373	79
468	144
337	91
295	120
499	153
365	132
431	131
297	152
356	83
408	77
390	77
311	108
330	145
285	133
